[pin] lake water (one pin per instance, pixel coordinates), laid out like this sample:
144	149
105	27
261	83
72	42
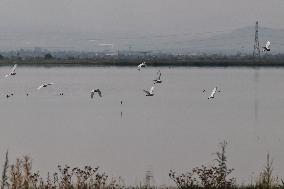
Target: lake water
178	128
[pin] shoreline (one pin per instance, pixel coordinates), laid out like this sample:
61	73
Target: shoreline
151	63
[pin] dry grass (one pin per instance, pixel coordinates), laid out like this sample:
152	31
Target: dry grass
217	176
4	181
20	175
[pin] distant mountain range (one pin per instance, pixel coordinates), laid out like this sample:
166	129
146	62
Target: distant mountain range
233	42
238	41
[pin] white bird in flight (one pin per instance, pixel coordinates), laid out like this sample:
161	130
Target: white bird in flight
150	92
44	85
212	95
96	91
12	71
142	65
267	46
158	79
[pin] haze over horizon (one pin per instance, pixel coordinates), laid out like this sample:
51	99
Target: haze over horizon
31	23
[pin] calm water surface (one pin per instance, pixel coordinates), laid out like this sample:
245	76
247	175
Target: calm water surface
178	128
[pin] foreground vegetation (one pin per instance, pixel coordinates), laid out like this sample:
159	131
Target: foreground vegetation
19	175
217	176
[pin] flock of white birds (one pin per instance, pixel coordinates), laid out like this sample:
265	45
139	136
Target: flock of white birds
44	85
159	74
149	92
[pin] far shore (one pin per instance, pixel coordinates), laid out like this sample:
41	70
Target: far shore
151	62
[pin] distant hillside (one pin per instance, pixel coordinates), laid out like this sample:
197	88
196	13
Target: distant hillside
238	41
233	42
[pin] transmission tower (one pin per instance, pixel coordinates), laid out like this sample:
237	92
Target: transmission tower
149	180
256	49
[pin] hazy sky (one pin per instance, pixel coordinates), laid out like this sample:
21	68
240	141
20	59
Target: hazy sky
152	16
70	23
